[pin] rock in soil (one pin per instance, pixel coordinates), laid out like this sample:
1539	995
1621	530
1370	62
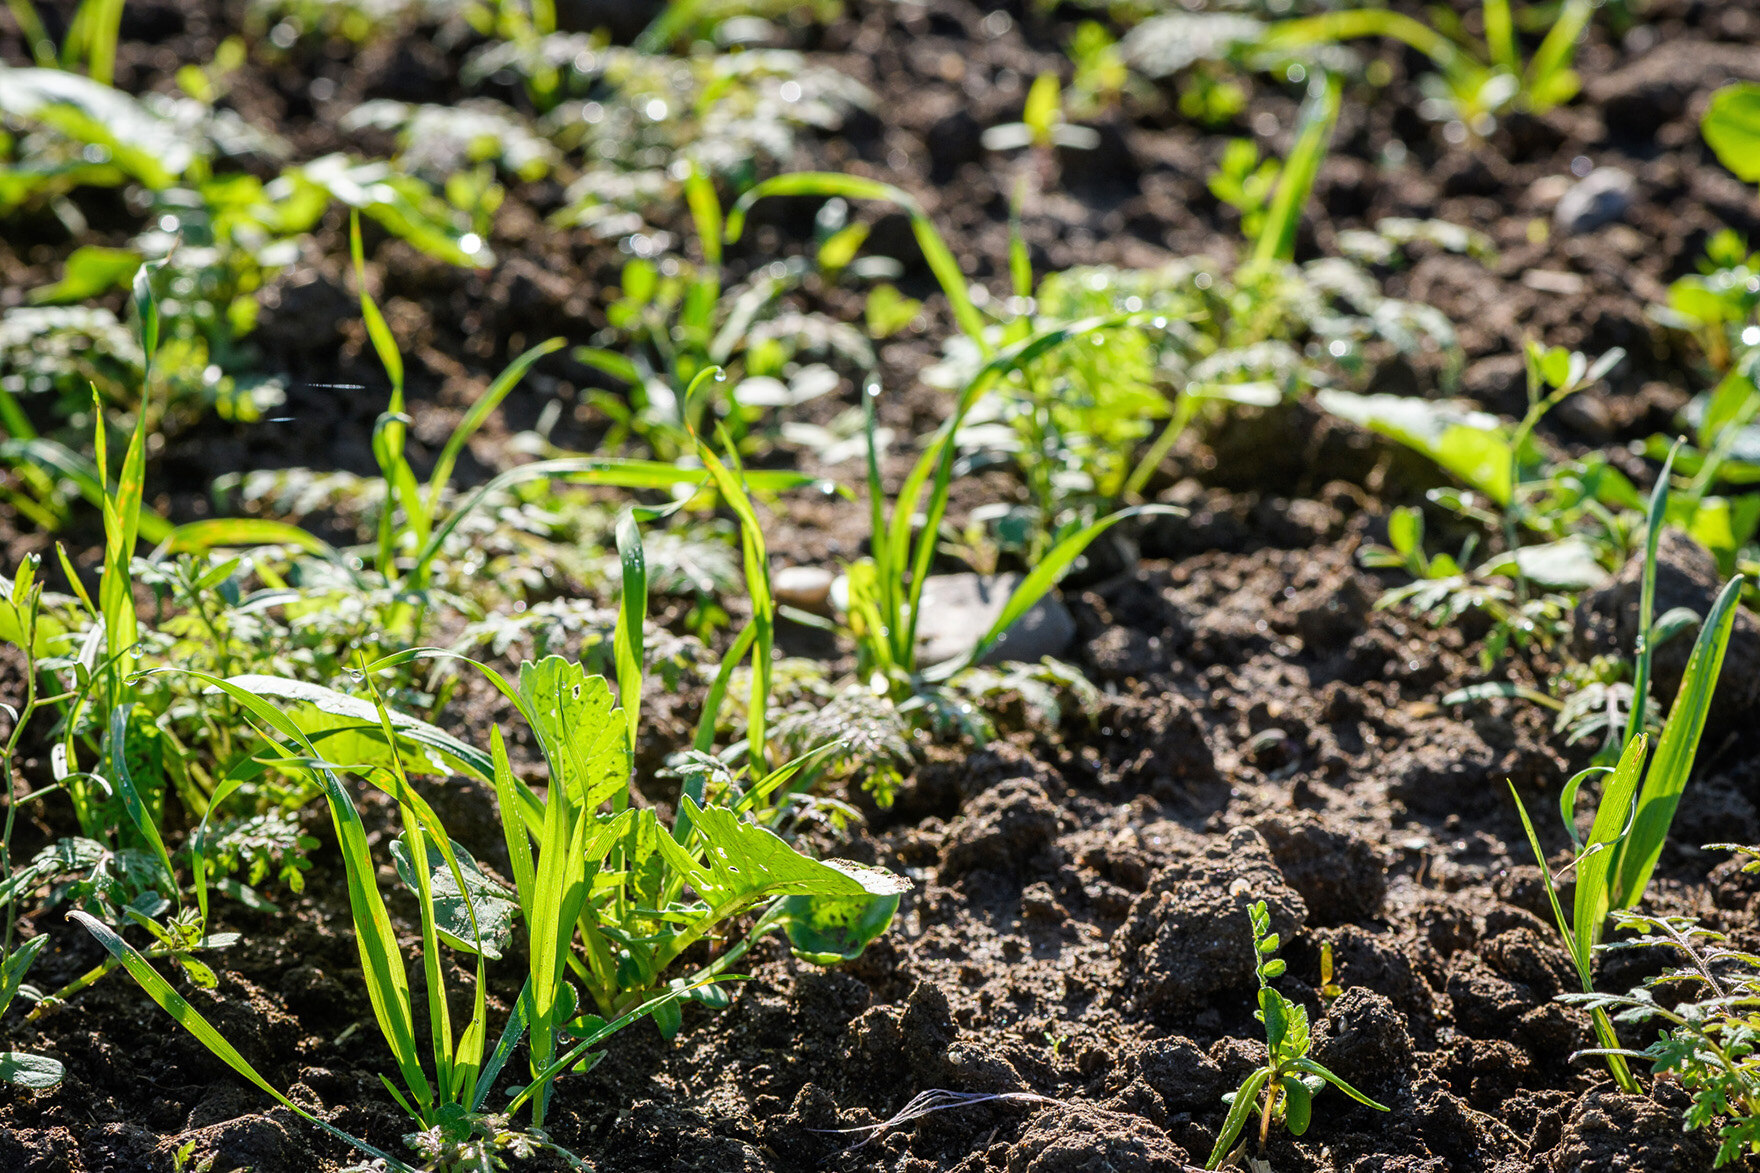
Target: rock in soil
1599	198
959	608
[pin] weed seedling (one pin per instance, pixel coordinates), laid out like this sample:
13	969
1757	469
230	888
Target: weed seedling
1282	1091
1710	1040
1476	80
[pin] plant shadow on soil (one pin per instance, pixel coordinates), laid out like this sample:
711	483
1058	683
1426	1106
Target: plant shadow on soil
1079	925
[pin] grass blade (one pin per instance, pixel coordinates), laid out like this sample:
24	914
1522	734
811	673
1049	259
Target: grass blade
1653	523
763	623
1044	576
1319	114
478	414
186	1016
940	258
1675	750
632	618
1613	821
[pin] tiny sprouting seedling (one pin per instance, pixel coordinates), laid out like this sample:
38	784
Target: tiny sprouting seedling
1043	125
1444	587
1101	75
1283	1090
1475	80
1708	1041
1244	182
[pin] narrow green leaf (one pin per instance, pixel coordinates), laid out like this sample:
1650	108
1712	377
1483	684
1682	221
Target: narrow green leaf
1675	750
191	1020
1246	1098
632	619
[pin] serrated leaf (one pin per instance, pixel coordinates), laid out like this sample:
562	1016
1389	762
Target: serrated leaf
746	862
580	728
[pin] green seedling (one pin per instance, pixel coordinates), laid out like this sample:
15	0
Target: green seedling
886	589
1444	588
1614	864
1101	74
1283	1090
1043	125
1709	1011
1475	80
90	42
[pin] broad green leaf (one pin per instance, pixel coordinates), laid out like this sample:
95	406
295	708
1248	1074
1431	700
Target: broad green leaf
152	148
1275	1011
1298	1105
348	730
827	929
1468	443
225	532
91	271
35	1072
1568	564
747	862
494	905
580	728
1732	127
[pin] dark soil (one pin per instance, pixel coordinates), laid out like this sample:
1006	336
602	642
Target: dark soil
1078	927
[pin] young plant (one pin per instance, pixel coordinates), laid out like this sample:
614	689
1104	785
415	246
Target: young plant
91	37
1638	800
1283	1090
886	589
1708	1038
1445	588
1475	80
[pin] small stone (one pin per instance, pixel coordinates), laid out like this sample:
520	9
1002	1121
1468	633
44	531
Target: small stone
957	610
1546	191
806	587
1599	198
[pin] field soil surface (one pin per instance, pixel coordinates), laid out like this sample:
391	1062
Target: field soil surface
1077	928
